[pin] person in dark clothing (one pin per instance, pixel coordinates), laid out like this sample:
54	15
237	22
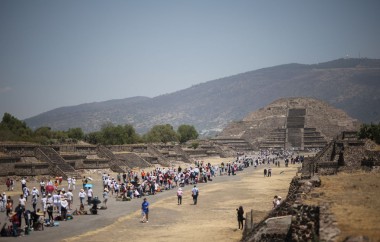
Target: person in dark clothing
240	217
265	172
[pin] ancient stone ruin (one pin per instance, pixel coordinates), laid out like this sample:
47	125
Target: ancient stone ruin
27	159
295	221
288	123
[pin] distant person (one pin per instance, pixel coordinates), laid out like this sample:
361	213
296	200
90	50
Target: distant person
8	183
265	172
145	210
240	217
90	194
278	202
179	196
81	196
275	201
269	171
23	183
105	197
195	193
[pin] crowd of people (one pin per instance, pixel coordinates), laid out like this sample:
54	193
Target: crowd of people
53	203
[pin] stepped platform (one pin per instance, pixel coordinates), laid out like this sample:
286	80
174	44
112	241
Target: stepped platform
58	165
295	135
237	144
132	160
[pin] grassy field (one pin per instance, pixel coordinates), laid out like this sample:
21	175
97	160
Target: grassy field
355	202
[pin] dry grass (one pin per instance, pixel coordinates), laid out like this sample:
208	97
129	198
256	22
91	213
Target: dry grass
354	201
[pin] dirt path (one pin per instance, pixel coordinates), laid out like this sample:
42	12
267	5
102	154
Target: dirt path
213	218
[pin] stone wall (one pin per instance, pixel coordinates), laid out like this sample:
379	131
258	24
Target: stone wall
81	149
31	169
18	149
304	222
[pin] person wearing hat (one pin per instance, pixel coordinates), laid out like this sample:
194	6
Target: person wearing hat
35	219
41	220
179	196
105	197
50	209
81	195
145	210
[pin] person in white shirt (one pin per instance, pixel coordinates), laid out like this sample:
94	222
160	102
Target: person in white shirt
81	196
179	196
22	201
42	186
43	203
49	199
69	183
69	197
23	183
57	202
90	194
73	181
26	192
35	192
105	197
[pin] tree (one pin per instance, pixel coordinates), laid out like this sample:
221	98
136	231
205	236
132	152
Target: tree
113	135
194	145
44	131
161	133
75	133
14	129
186	133
94	138
370	131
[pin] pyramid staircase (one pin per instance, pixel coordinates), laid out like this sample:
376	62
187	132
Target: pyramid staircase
115	164
58	165
160	157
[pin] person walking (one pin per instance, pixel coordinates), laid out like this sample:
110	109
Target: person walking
73	181
105	197
240	217
145	210
179	196
90	194
195	193
81	196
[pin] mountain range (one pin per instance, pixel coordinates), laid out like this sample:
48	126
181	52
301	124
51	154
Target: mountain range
352	85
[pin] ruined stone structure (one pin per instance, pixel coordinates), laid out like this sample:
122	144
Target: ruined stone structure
24	159
291	123
344	153
295	221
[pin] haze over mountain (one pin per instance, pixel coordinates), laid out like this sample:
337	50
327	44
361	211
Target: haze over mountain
352	85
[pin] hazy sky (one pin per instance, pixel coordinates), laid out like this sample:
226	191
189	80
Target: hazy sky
63	53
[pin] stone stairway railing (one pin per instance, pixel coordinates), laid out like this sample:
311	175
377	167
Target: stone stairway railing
58	165
160	158
114	163
185	156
